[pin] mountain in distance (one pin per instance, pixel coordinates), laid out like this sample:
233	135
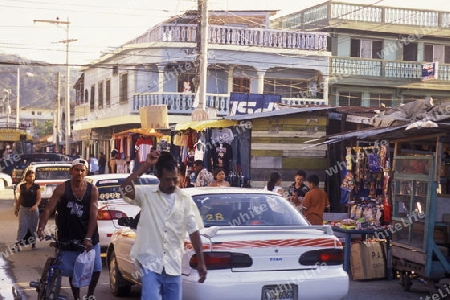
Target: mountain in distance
38	82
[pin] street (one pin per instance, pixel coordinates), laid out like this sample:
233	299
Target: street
18	269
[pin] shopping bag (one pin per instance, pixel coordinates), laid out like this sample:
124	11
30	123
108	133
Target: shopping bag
83	269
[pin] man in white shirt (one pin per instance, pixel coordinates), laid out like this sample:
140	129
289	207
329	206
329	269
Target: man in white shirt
167	214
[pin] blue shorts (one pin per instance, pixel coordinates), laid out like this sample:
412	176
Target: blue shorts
68	259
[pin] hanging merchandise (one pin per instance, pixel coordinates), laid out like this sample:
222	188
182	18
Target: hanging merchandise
222	135
222	154
143	147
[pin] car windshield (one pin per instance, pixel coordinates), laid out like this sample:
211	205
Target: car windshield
52	173
247	210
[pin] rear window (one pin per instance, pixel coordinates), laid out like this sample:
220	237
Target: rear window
52	173
109	189
247	210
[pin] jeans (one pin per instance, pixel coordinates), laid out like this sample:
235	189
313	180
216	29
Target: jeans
160	286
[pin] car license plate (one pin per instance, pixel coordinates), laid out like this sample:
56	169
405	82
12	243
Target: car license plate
280	292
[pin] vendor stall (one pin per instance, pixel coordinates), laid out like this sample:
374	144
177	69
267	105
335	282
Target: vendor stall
218	143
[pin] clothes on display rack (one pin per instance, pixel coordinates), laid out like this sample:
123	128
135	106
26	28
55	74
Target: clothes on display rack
222	154
222	135
143	147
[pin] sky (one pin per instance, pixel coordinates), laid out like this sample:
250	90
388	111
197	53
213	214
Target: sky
100	26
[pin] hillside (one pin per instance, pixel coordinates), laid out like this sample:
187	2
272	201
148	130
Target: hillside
38	83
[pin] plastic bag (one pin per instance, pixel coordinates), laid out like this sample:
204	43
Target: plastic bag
83	269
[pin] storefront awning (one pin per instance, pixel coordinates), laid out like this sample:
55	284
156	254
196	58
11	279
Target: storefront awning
202	125
141	131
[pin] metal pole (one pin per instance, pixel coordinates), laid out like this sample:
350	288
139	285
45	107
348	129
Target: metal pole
67	98
18	100
58	111
67	135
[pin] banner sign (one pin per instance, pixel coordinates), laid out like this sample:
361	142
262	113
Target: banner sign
245	103
429	71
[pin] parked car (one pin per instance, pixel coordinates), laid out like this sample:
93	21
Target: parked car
5	181
48	175
256	246
25	159
111	206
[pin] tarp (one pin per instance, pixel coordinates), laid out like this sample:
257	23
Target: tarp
141	131
202	125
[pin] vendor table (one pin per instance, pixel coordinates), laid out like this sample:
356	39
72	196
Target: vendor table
348	240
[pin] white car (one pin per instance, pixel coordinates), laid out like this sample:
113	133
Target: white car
256	246
5	181
111	206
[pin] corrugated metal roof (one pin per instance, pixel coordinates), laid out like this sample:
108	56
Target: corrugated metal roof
280	112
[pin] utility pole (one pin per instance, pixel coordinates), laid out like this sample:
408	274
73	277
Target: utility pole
200	113
58	111
67	41
18	99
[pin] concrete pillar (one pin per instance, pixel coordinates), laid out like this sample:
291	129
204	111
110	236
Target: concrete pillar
230	79
161	77
260	87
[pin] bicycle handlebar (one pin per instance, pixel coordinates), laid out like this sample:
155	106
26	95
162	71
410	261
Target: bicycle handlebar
73	245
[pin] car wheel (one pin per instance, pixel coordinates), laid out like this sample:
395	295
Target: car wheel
118	285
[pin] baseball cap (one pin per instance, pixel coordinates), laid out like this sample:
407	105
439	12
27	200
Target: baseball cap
80	161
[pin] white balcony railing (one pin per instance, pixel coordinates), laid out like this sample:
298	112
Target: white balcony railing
352	66
332	11
229	35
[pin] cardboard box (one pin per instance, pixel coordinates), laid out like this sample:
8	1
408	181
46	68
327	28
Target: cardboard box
368	261
154	116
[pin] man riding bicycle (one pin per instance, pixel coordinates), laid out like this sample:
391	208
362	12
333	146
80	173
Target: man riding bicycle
76	207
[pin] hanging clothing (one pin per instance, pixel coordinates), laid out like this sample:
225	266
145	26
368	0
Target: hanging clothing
199	149
222	154
143	146
222	135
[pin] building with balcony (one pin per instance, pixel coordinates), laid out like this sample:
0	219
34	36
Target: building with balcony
379	54
160	67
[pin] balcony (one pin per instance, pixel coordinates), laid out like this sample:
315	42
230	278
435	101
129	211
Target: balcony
179	104
236	36
351	66
346	15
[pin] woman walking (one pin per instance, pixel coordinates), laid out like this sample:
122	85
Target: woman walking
27	209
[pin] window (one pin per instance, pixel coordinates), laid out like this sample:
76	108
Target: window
33	113
115	70
186	83
123	97
91	102
366	48
100	94
108	92
410	52
350	99
241	85
86	96
39	113
376	100
438	53
292	88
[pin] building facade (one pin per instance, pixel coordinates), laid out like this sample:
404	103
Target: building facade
380	55
160	67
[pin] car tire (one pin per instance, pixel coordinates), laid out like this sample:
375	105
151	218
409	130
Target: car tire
118	285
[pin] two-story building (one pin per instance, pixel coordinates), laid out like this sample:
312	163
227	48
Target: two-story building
380	55
159	67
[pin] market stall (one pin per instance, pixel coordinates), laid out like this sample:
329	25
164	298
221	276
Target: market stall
218	143
130	147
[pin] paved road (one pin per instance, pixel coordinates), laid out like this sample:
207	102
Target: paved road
16	270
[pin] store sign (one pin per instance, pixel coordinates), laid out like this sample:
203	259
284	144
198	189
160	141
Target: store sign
429	71
245	103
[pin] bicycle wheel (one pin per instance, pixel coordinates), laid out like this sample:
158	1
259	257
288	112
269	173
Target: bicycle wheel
54	285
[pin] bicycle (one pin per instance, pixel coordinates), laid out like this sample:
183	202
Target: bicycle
49	285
